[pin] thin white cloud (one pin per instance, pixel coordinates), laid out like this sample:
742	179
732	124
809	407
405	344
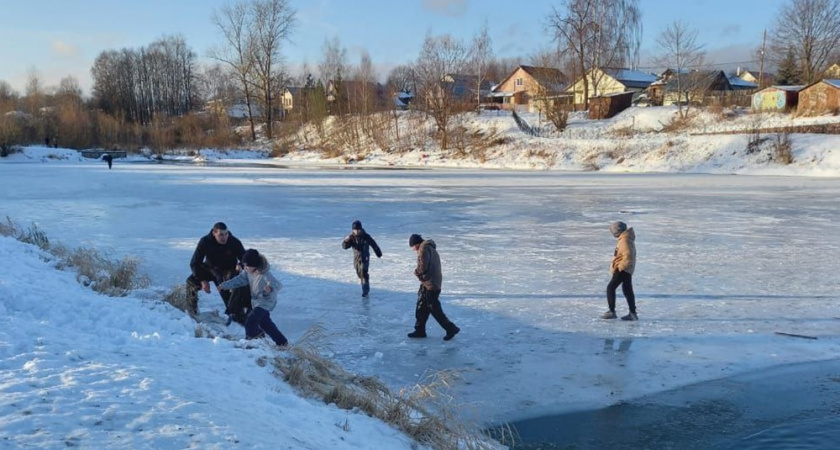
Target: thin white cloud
63	49
453	8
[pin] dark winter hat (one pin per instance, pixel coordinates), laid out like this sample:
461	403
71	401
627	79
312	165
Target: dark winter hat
251	258
617	228
356	225
414	239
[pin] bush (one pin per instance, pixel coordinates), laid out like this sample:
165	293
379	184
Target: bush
424	411
93	269
783	149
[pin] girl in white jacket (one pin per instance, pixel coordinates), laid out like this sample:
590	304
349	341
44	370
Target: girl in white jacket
264	287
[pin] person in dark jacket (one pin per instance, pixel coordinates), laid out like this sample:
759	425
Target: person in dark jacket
361	243
108	158
217	258
428	271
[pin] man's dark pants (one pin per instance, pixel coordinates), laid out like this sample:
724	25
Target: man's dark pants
428	303
237	301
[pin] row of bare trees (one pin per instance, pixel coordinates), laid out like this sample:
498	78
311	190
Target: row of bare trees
136	85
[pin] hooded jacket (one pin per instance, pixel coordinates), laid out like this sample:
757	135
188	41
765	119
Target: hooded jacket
624	257
220	259
428	269
258	281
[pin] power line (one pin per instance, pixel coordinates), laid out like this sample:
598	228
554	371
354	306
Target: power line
700	66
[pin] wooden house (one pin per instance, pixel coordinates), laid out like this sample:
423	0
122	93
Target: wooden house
699	85
610	81
527	87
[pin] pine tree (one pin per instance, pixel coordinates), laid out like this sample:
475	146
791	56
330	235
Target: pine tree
789	73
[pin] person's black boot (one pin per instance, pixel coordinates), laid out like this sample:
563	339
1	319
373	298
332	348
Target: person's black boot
417	334
451	333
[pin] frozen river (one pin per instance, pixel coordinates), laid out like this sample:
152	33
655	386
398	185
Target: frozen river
724	262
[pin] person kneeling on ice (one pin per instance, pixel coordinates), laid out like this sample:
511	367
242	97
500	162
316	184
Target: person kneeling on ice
622	267
361	243
428	271
264	287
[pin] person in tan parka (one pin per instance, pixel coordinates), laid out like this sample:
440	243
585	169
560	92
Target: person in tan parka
622	267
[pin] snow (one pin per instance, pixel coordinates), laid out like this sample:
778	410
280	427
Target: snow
725	262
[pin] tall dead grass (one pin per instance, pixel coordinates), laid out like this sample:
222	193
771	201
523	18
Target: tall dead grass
94	269
426	411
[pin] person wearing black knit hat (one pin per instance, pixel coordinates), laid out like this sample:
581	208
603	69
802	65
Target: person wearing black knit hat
429	272
361	243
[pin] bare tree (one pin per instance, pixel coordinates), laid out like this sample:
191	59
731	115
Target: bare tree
811	28
441	56
598	34
273	22
35	91
365	93
402	78
333	61
481	54
237	53
499	68
680	52
6	91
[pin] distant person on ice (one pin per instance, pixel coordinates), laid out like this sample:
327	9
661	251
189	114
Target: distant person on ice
428	271
108	159
622	267
215	259
264	287
361	243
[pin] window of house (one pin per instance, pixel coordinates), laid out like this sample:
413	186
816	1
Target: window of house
518	82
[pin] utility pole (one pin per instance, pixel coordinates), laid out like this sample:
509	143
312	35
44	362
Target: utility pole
761	59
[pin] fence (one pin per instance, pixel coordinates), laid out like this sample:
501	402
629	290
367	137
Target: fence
524	126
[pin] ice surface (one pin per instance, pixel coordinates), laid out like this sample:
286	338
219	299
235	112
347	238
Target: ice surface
724	263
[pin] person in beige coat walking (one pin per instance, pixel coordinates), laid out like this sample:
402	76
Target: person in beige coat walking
622	267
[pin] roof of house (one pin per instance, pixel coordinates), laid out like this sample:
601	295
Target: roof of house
794	88
547	77
294	90
629	77
469	80
698	80
740	83
833	82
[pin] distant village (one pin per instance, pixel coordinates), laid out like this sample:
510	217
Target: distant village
159	97
533	89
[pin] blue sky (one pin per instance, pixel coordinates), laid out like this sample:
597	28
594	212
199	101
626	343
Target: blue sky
60	37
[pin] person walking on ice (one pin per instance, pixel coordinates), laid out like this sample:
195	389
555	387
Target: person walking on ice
428	271
264	287
622	267
361	243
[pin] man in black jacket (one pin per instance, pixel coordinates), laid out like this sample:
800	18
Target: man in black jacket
216	258
361	242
